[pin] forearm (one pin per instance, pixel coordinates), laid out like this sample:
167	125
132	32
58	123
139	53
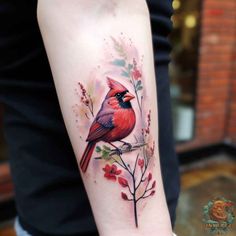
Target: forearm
88	42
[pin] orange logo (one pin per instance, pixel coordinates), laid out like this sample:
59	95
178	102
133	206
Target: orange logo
218	216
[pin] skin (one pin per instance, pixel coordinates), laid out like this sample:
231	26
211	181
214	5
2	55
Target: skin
69	30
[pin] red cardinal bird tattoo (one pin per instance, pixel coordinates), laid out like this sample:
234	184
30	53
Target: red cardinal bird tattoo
114	121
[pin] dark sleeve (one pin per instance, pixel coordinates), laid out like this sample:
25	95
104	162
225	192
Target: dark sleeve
161	12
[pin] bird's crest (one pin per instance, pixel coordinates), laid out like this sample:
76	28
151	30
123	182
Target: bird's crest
113	84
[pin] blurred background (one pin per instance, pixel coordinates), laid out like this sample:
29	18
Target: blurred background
203	93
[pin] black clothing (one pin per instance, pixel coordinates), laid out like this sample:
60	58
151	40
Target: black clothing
50	196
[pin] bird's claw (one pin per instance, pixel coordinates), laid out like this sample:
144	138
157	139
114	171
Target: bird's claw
128	145
119	151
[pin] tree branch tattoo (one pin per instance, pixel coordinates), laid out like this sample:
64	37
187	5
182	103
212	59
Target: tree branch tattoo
121	115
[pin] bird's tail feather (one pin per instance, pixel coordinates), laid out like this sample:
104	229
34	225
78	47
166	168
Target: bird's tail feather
84	162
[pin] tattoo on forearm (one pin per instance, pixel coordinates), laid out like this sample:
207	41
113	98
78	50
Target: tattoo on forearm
118	112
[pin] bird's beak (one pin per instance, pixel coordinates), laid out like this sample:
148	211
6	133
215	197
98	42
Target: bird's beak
128	97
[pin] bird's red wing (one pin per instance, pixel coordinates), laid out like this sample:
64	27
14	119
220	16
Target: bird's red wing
97	131
102	124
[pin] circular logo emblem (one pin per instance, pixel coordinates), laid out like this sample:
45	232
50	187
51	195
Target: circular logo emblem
218	216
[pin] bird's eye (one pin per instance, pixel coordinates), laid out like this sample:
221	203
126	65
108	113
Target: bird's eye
118	95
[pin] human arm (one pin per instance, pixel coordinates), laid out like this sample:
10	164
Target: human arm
86	42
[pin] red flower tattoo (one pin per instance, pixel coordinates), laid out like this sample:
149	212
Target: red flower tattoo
124	196
111	172
141	163
86	99
123	182
136	74
154	184
152	193
149	176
